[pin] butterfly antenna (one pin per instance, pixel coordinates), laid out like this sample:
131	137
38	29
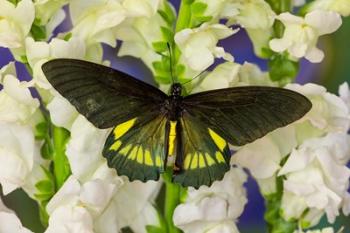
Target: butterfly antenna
171	62
198	75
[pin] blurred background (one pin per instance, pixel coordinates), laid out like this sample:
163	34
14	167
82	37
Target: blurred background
332	72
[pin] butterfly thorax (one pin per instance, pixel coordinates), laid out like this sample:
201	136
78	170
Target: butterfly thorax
173	104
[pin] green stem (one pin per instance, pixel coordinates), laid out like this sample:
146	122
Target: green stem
61	167
172	199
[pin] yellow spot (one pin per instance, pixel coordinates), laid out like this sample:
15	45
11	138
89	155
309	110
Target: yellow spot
158	161
124	151
133	153
219	141
187	161
148	158
116	145
172	136
140	155
210	160
194	163
201	161
121	129
220	157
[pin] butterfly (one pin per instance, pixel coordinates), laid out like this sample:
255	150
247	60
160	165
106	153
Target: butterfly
151	127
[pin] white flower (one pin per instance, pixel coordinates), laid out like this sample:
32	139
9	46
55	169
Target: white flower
316	173
84	149
298	2
138	35
148	216
344	93
199	45
213	209
16	155
75	206
253	14
15	24
94	21
301	34
231	74
9	222
263	156
220	77
16	101
46	9
139	8
136	197
62	113
329	113
40	52
340	6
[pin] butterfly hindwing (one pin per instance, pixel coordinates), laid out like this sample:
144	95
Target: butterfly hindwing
106	97
244	114
204	156
136	148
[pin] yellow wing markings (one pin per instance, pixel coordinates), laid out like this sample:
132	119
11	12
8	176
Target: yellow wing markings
210	160
201	160
122	128
172	137
148	158
219	157
219	141
116	145
125	150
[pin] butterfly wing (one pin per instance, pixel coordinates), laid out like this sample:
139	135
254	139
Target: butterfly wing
241	115
237	116
109	98
137	148
202	156
106	97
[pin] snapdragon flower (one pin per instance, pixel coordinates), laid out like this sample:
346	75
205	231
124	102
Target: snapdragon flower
202	42
213	209
340	6
301	34
15	25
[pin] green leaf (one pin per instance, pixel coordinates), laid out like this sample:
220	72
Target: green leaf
38	32
160	46
43	196
197	21
45	187
282	69
67	36
168	35
46	151
14	2
180	70
41	130
198	8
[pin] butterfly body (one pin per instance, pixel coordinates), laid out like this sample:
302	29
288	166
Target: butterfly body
149	126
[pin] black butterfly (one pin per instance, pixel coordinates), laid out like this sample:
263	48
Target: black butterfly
150	126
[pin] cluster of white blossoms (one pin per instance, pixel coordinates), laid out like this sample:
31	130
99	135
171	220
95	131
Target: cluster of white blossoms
309	157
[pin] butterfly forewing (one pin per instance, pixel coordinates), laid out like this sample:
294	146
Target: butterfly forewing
243	114
106	97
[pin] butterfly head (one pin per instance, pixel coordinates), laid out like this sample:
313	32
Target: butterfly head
176	89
